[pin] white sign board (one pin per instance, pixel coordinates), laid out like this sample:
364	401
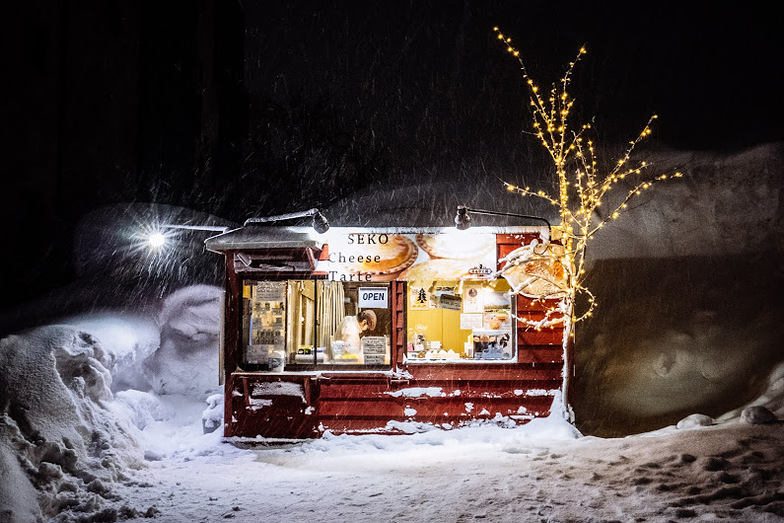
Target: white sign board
374	349
373	297
470	321
450	302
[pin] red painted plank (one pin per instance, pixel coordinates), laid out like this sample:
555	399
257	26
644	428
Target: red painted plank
542	337
431	408
439	389
505	372
546	354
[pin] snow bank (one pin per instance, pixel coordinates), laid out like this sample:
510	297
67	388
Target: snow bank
690	292
172	352
187	361
772	398
127	340
67	447
86	401
725	204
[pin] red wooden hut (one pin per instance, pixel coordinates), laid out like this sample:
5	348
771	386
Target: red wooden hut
370	330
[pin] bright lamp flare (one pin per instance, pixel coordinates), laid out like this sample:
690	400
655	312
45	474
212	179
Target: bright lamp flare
156	240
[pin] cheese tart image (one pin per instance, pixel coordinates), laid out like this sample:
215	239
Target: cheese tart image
457	246
438	269
538	274
382	261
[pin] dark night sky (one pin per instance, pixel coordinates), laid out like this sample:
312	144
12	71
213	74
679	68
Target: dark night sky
238	109
712	74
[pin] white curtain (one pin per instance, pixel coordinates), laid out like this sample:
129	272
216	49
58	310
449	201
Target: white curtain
331	310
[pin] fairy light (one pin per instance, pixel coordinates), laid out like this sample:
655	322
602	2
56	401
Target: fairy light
582	188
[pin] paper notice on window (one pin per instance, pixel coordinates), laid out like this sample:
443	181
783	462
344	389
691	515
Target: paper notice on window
375	359
273	291
419	299
473	299
374	345
374	349
471	321
450	302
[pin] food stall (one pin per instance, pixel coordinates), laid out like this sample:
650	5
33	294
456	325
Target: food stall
370	330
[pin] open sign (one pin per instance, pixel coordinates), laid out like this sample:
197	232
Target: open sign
373	297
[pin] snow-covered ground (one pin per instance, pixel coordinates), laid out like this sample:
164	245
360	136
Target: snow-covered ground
103	415
541	472
76	450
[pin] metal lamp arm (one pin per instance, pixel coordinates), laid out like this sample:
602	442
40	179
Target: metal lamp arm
282	217
320	223
462	210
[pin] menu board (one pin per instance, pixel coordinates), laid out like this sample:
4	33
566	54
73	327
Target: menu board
374	349
267	322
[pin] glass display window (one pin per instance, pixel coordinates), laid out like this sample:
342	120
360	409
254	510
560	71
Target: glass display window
302	324
460	322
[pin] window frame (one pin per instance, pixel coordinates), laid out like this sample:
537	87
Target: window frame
513	338
314	366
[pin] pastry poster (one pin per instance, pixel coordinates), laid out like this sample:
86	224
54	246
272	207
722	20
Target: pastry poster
497	320
381	256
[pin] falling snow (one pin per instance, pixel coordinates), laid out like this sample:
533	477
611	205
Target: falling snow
112	415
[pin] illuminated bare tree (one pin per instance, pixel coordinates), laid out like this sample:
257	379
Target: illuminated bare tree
553	271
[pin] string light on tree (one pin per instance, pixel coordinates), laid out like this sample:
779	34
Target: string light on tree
583	186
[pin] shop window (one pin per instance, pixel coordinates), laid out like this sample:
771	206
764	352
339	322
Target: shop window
461	322
302	324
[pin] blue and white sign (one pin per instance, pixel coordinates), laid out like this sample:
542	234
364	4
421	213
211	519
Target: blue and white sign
373	297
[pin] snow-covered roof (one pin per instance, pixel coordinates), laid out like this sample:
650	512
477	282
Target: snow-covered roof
259	237
263	237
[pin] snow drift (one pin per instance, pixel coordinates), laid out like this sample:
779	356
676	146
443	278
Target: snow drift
68	445
74	406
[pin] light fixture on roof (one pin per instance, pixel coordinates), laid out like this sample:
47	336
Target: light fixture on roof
463	219
319	223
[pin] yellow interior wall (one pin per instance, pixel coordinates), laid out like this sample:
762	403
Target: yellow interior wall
438	325
454	338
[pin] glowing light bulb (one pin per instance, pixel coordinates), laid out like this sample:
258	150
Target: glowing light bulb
156	240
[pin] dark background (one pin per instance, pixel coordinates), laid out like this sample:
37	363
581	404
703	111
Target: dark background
240	109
